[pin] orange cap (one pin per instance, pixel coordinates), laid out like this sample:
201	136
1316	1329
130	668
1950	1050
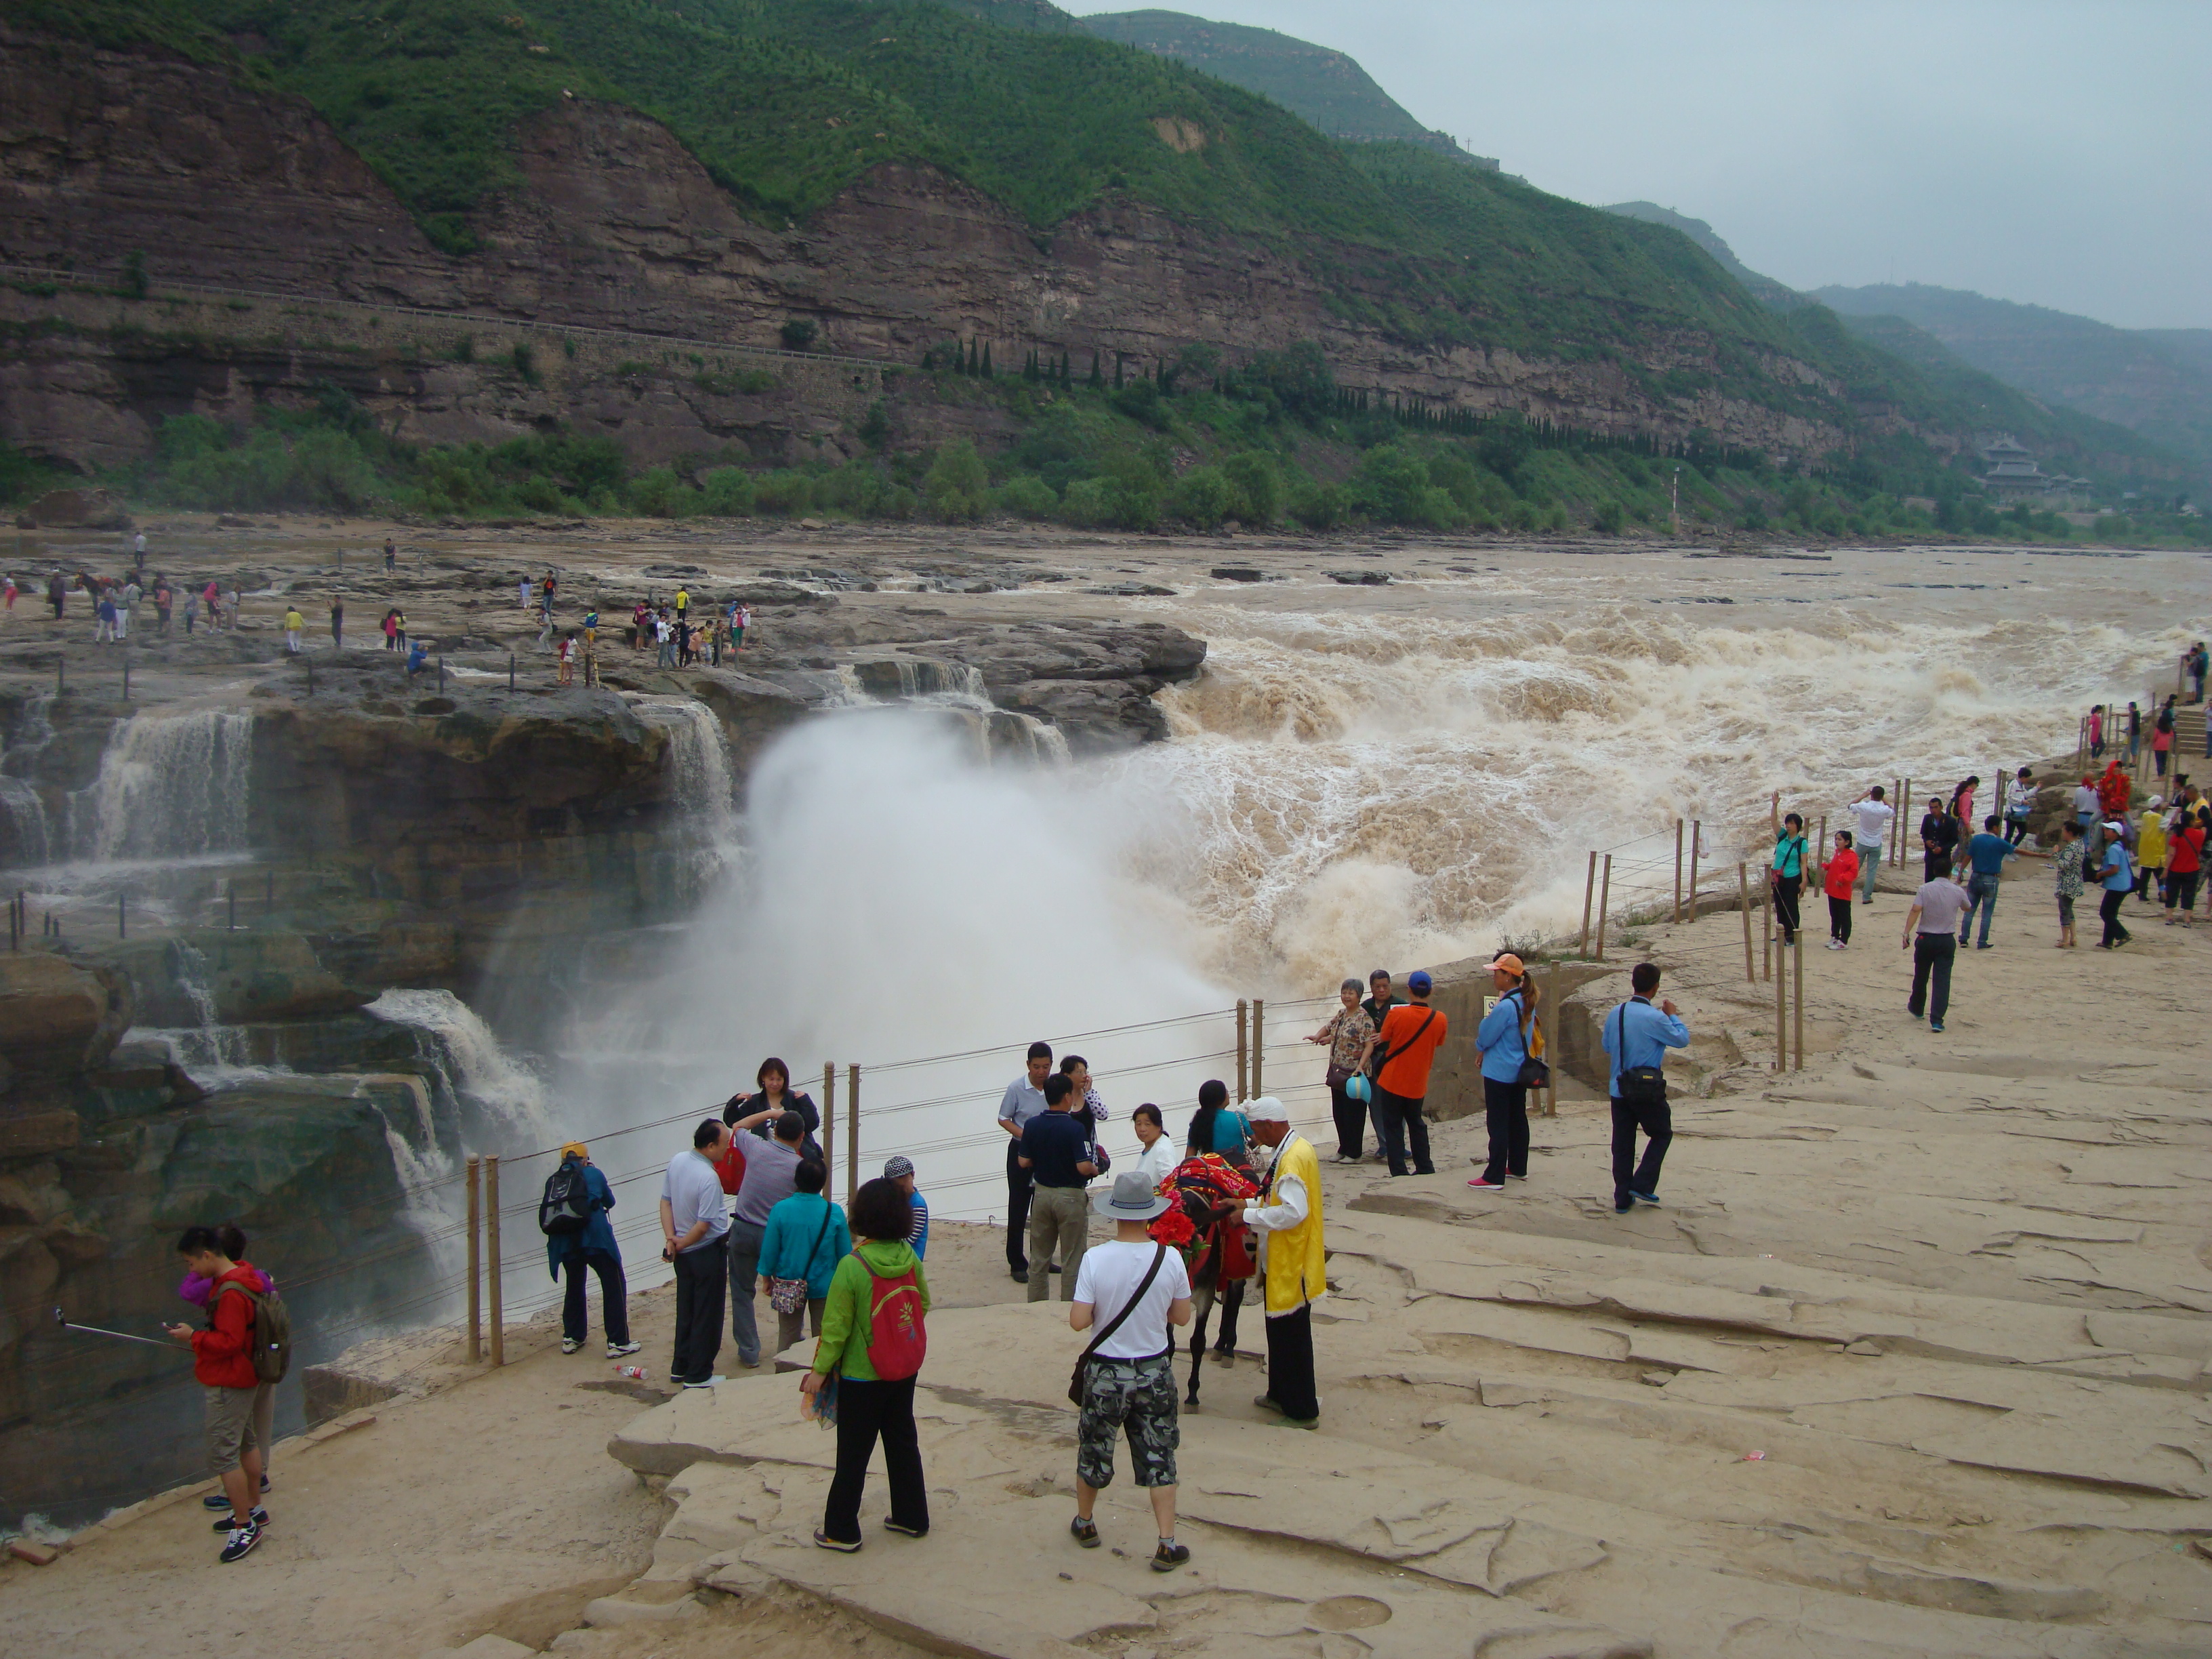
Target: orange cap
1510	963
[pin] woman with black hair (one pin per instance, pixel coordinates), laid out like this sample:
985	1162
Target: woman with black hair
1215	1128
774	1095
873	1339
1787	877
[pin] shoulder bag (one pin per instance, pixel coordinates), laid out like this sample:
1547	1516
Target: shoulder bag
1383	1057
1640	1085
1083	1364
788	1295
1534	1073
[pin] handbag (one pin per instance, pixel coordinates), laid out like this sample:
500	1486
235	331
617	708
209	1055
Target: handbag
1640	1085
788	1295
1075	1383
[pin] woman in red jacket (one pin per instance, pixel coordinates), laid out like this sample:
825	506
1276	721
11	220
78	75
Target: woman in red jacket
239	1403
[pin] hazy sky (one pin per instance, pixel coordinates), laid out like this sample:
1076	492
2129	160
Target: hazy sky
2059	153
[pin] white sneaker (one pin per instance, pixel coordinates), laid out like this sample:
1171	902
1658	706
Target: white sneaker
619	1350
1835	944
569	1344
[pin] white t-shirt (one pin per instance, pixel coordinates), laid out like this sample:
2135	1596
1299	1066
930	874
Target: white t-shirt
1109	1272
1158	1162
1874	817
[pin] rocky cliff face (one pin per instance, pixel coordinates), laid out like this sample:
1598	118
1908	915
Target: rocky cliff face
616	226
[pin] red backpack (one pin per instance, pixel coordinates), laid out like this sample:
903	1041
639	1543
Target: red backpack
896	1342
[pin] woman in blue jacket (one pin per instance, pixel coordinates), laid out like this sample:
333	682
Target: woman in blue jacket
806	1238
594	1248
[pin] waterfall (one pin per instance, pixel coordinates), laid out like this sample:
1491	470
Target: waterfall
476	1067
24	839
416	1157
698	762
171	785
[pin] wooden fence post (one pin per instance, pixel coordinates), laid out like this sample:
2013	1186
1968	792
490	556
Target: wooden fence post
828	1120
1258	1043
474	1180
1897	824
1904	809
1678	872
1743	903
1781	1003
1697	835
1604	898
1551	1089
1821	845
852	1132
497	1313
1589	885
1797	1000
1243	1055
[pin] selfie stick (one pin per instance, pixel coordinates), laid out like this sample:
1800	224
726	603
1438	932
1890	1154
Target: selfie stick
94	1330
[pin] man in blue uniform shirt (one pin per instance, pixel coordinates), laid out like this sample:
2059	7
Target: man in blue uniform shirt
1637	1038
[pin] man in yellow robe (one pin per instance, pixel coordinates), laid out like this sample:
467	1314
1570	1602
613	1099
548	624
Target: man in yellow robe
1293	1265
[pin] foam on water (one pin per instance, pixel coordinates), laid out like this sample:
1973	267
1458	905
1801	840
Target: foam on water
511	1095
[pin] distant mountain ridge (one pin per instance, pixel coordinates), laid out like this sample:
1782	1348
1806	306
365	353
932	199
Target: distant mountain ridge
1327	87
2157	382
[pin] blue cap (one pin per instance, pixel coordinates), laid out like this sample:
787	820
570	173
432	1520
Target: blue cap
1418	981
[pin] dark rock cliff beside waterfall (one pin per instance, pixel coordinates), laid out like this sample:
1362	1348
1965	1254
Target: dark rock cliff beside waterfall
253	859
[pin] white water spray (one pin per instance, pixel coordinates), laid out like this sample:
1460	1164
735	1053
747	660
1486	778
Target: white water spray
173	785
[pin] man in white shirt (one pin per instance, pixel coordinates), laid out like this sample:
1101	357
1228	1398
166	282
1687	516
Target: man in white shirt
696	1232
1930	930
1128	1378
1873	815
1023	1100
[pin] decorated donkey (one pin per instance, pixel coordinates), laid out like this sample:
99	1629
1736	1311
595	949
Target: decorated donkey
1205	1225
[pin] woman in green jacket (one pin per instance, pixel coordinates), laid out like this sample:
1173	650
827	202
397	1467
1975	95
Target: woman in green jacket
875	1276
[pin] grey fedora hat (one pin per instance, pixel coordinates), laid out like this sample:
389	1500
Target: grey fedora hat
1131	1198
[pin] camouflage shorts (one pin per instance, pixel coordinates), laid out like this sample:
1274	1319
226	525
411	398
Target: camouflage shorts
1137	1397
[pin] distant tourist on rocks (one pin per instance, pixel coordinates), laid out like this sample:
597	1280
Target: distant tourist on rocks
874	1338
1407	1047
2150	850
683	603
2184	864
771	1176
58	592
522	590
338	624
391	627
1381	999
1156	1156
103	621
2161	737
2066	861
696	1238
1787	876
2119	880
2135	733
1961	811
1986	854
294	625
9	590
573	1213
1130	1291
1293	1266
1023	1100
568	674
191	612
2197	662
399	626
772	1097
899	1171
1350	1034
2019	801
139	550
126	600
1055	1150
164	599
211	597
391	556
1089	1107
1216	1127
1637	1036
2096	731
1939	836
1873	814
744	624
1509	1041
418	657
239	1401
1929	934
805	1240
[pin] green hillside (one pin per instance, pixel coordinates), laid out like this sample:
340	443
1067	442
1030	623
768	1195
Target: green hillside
1765	289
2155	382
1327	87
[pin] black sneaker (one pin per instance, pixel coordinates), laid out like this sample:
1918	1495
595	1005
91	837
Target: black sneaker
1085	1531
242	1540
1020	1275
1169	1557
216	1500
904	1530
229	1522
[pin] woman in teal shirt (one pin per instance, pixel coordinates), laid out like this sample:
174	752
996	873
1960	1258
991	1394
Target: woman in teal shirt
1788	875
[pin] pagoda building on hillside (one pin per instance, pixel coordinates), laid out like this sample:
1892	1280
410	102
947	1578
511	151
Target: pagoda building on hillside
2012	469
